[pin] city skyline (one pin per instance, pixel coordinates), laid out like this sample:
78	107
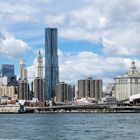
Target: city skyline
69	69
96	38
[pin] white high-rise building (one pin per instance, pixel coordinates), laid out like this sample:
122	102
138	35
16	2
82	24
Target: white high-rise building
39	82
23	82
129	84
23	70
39	66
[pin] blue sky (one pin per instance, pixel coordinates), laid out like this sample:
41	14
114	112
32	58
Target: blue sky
97	38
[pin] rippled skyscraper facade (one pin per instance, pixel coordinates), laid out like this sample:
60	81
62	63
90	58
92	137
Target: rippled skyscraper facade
51	62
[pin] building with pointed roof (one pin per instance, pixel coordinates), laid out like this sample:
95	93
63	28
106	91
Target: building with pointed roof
39	81
39	65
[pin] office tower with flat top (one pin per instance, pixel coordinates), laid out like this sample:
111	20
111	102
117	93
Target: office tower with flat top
91	88
23	82
7	70
51	62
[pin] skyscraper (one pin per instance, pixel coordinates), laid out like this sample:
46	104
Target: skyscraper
39	82
39	66
7	70
22	69
23	82
51	62
64	92
39	88
61	92
90	88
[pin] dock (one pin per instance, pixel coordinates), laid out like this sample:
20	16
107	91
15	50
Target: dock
85	108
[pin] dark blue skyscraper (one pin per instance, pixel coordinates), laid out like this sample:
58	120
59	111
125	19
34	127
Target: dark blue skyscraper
7	70
51	62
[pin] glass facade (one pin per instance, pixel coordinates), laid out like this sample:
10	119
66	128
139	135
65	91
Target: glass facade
7	70
51	62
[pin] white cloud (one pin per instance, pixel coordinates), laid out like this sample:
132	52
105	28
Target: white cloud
73	67
85	64
122	42
79	34
54	20
19	12
115	24
12	47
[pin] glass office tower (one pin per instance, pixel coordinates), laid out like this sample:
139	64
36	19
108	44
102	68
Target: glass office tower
7	70
51	62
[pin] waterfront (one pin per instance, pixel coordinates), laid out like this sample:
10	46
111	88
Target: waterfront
80	126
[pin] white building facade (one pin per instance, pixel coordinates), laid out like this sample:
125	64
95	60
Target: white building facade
127	85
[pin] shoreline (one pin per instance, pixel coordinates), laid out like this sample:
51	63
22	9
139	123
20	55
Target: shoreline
95	109
72	112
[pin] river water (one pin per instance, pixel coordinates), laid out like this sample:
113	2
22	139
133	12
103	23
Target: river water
79	126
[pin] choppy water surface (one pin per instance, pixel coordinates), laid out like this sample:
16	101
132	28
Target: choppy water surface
70	126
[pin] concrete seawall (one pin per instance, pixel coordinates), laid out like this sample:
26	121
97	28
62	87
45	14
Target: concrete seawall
71	109
9	109
85	109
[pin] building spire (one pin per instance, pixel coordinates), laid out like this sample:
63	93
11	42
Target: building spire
39	65
39	55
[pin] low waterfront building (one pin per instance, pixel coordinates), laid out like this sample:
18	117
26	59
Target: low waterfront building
135	99
90	88
85	101
109	100
128	84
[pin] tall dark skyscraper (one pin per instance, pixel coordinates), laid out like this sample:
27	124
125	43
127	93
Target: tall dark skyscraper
7	70
51	62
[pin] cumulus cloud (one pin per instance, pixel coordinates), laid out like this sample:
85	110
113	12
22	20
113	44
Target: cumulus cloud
114	24
89	64
122	42
54	19
12	47
73	67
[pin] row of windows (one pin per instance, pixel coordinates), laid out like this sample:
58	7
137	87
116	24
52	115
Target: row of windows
127	80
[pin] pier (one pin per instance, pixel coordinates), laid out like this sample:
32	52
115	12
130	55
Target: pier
85	108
